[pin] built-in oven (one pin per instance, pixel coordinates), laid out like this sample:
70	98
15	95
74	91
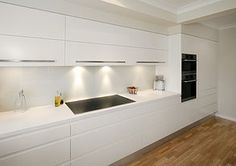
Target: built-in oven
189	62
189	77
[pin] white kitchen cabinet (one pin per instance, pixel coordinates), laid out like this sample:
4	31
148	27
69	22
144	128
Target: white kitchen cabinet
29	140
47	155
83	30
206	52
207	67
109	154
95	43
150	56
95	54
22	21
23	51
120	133
48	146
105	136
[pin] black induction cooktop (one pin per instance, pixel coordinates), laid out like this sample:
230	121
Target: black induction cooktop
93	104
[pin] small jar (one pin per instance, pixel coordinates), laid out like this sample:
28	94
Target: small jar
159	83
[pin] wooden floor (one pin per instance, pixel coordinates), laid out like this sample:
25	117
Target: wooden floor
213	143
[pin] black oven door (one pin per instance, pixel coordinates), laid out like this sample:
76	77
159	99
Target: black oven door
189	63
189	66
188	89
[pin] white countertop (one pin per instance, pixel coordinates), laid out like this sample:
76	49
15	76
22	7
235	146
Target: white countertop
16	122
148	95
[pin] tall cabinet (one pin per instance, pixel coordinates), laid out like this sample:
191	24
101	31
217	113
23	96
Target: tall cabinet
206	51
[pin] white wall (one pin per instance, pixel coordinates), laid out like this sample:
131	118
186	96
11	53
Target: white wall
201	31
41	83
196	30
227	74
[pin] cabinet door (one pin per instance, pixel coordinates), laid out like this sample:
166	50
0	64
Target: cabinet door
144	39
33	139
94	54
22	51
150	56
47	155
207	65
96	32
84	30
22	21
206	51
97	54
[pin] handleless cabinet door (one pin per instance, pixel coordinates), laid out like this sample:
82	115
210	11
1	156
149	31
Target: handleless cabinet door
47	155
29	140
23	51
22	21
207	66
83	30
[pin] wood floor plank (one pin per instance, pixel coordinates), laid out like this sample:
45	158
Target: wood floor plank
212	143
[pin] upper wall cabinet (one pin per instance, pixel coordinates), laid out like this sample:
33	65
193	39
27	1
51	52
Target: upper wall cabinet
94	54
91	43
97	54
95	32
22	51
21	21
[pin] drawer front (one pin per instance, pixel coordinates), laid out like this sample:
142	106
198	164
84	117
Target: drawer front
109	154
84	125
207	100
96	139
47	155
29	140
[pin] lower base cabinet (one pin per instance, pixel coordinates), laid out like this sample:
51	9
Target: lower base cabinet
46	155
104	139
48	146
102	145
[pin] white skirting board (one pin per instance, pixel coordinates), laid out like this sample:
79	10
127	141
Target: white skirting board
225	117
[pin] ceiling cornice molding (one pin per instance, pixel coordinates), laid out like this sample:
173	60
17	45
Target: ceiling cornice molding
228	26
210	25
206	11
161	4
179	10
196	5
140	6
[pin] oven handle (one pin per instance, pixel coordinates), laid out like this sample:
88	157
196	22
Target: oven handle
189	81
186	60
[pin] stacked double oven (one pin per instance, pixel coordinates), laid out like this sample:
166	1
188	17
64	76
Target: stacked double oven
189	77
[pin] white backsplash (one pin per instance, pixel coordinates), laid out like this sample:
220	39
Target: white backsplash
41	83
